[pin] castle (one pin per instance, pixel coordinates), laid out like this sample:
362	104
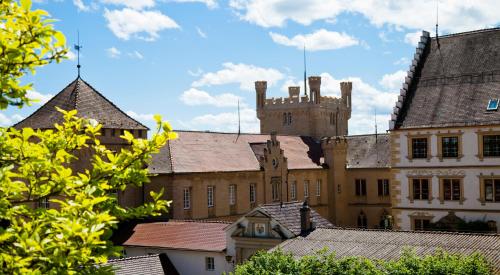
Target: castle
315	116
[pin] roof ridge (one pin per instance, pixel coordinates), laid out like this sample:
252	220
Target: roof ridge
112	104
467	32
200	221
132	258
411	231
51	99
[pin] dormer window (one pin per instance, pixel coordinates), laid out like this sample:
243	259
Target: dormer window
492	105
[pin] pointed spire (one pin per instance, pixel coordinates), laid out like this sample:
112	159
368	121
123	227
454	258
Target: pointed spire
239	121
78	47
305	71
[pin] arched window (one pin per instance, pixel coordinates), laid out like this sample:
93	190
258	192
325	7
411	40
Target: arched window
289	118
385	220
362	221
284	119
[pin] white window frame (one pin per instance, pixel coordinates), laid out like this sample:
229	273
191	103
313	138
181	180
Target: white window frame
293	190
186	192
252	193
318	188
306	189
232	194
210	196
209	263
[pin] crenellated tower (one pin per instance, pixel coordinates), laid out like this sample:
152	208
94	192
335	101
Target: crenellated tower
317	116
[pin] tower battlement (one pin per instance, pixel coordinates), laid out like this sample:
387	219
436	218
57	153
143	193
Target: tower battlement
315	115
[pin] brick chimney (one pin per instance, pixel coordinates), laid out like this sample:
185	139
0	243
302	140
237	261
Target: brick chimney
305	219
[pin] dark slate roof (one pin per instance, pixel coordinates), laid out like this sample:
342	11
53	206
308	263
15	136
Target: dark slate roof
143	265
198	152
89	102
288	215
451	85
368	151
379	244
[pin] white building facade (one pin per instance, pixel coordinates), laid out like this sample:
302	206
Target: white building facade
445	135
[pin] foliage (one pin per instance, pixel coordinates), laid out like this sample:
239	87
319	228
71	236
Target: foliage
74	234
409	263
27	41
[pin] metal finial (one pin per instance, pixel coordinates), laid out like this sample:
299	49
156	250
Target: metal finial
78	47
305	71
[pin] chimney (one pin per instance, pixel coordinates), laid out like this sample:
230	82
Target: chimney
305	219
273	137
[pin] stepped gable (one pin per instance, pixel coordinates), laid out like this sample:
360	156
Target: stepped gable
88	102
450	82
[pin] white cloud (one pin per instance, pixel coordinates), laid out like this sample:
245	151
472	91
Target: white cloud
71	55
211	4
113	52
201	33
41	98
128	23
141	117
227	122
413	38
402	61
394	81
196	73
134	4
80	5
136	54
454	15
6	121
316	41
243	74
195	97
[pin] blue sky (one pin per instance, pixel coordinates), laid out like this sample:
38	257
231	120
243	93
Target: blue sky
191	60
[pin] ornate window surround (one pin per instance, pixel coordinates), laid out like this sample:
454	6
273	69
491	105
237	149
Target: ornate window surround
441	188
410	187
480	135
440	137
410	137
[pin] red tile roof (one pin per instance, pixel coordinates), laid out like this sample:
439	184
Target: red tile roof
182	235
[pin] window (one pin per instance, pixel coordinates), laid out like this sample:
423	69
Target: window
44	203
362	221
360	187
491	145
383	187
289	118
492	105
419	148
318	188
492	190
275	182
187	198
306	189
449	147
252	192
232	194
113	132
285	120
420	189
210	196
209	263
122	132
293	190
260	229
451	190
103	132
421	224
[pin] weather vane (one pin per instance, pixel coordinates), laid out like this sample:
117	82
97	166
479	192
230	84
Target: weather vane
78	47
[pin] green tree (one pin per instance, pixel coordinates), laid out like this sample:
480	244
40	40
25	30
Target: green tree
74	235
409	263
27	41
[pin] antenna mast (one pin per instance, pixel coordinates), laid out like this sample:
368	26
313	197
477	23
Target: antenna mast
78	47
239	121
305	69
437	23
376	133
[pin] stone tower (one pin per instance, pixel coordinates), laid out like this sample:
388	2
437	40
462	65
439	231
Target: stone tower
316	116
